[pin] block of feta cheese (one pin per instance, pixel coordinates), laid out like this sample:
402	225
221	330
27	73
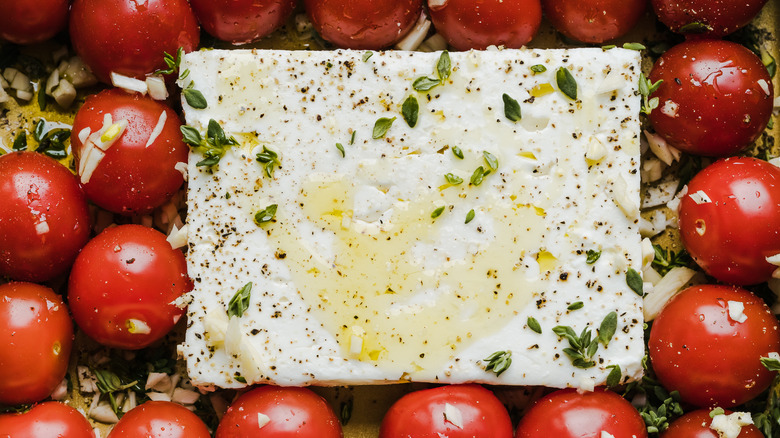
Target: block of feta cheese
395	228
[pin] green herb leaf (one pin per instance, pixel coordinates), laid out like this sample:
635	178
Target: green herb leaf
266	215
173	62
538	68
614	376
270	159
41	96
592	256
566	83
457	152
194	98
424	83
346	411
340	147
511	108
717	411
646	88
53	142
191	136
381	127
771	363
577	305
666	259
444	66
410	110
696	28
581	349
453	179
20	142
470	216
608	328
367	55
240	379
634	46
608	47
478	176
40	128
108	383
240	301
533	324
634	281
436	213
352	138
498	362
213	147
491	160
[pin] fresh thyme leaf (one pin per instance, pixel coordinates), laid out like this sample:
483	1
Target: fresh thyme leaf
352	138
424	83
457	152
771	363
20	142
346	411
367	55
191	136
634	46
634	281
538	68
240	301
577	305
340	147
436	213
40	128
534	325
511	108
470	216
194	98
614	376
266	215
173	62
498	362
41	96
382	126
108	383
608	328
53	143
696	28
608	47
581	349
239	378
270	159
592	256
478	176
491	160
213	147
453	179
566	83
410	110
716	411
444	66
646	88
666	259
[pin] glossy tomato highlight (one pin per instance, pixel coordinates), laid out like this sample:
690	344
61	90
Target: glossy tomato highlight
713	18
32	21
715	100
707	344
36	336
123	286
730	219
46	420
594	21
44	220
160	419
242	21
135	176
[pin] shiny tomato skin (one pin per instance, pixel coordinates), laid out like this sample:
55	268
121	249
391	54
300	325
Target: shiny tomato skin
160	419
568	414
132	178
293	412
36	336
44	220
696	424
46	420
720	17
697	349
124	275
32	21
421	414
363	24
242	21
715	100
594	21
731	237
477	24
128	36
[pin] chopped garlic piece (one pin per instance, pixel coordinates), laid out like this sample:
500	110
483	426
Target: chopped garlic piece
138	327
648	253
596	150
659	147
665	290
737	311
605	434
621	198
262	420
157	128
156	87
128	84
700	197
417	35
453	415
42	227
729	426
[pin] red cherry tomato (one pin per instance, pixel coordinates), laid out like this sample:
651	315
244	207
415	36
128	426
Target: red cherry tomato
123	284
716	97
569	414
594	21
44	220
363	24
129	36
711	17
132	178
731	236
455	411
160	419
46	420
696	424
242	21
477	24
28	21
696	347
286	412
36	335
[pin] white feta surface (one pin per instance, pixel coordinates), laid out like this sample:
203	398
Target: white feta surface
354	282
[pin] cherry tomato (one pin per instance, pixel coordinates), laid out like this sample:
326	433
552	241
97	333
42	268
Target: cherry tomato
160	419
46	420
123	285
730	219
363	24
696	424
716	97
242	21
699	348
477	24
594	21
44	220
28	21
36	335
285	412
710	17
130	36
568	414
132	178
455	411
